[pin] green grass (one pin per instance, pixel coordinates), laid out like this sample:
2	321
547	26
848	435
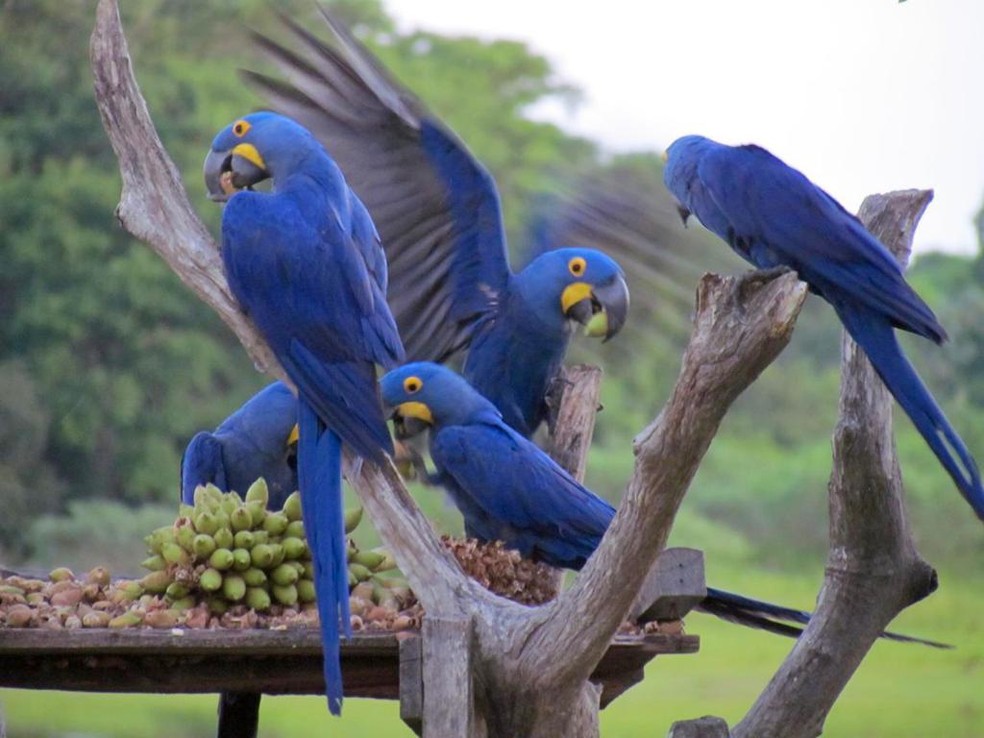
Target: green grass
901	691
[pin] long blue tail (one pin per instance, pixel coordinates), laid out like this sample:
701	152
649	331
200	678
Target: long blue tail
736	608
877	338
319	469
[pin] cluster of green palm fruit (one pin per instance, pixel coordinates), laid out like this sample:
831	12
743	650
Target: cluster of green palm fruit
228	550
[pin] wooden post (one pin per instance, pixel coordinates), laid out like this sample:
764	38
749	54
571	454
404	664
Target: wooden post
449	692
239	714
412	683
705	727
673	587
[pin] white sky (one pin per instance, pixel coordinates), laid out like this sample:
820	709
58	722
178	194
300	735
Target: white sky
861	95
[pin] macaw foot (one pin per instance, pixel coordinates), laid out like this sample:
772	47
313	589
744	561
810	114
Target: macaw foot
753	280
553	396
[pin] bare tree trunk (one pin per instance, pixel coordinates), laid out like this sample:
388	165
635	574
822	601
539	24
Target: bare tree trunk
873	568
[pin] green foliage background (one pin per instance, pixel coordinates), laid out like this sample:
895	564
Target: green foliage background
108	365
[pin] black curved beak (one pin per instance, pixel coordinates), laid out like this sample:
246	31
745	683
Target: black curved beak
226	173
605	311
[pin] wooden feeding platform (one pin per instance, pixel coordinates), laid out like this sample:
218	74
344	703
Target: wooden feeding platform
243	664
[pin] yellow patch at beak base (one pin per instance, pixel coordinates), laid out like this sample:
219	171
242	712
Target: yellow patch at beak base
415	410
250	154
573	294
295	433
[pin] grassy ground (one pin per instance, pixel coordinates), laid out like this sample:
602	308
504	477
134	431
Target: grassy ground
901	691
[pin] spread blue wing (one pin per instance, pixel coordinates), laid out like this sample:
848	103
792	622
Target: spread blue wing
435	206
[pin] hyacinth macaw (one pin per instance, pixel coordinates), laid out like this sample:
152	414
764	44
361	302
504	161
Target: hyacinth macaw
508	489
773	216
305	263
437	210
258	440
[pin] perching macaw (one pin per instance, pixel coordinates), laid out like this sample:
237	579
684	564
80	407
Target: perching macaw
258	440
305	263
507	489
438	212
773	216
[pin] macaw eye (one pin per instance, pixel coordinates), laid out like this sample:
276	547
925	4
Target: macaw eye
412	385
241	128
577	265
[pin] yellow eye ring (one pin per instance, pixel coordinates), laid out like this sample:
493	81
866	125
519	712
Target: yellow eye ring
241	127
577	265
412	385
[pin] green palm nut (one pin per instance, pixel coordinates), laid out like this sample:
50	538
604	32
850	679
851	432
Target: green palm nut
275	523
305	590
258	492
203	546
257	513
388	563
221	559
260	536
309	569
292	506
243	539
352	519
214	493
295	529
261	556
156	582
184	534
224	538
158	537
294	548
241	559
241	519
361	572
352	579
210	580
186	511
176	590
61	574
285	595
222	519
131	590
278	553
258	599
298	566
174	554
254	577
206	522
233	587
283	575
369	559
184	603
154	563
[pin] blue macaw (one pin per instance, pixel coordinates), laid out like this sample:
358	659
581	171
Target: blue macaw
258	440
438	212
773	216
507	489
305	263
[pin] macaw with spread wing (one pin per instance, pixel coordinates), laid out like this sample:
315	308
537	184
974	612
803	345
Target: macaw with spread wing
258	440
305	263
438	212
773	216
508	489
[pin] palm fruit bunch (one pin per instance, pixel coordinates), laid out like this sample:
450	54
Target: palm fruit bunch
229	550
504	571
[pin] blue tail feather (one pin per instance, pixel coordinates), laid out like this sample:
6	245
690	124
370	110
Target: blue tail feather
319	468
878	340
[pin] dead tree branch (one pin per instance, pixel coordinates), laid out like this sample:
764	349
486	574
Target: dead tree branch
873	568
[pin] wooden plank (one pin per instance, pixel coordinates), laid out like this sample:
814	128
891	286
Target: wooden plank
672	588
263	661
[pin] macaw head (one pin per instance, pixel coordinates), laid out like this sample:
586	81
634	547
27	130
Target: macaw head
432	394
680	169
254	148
579	284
